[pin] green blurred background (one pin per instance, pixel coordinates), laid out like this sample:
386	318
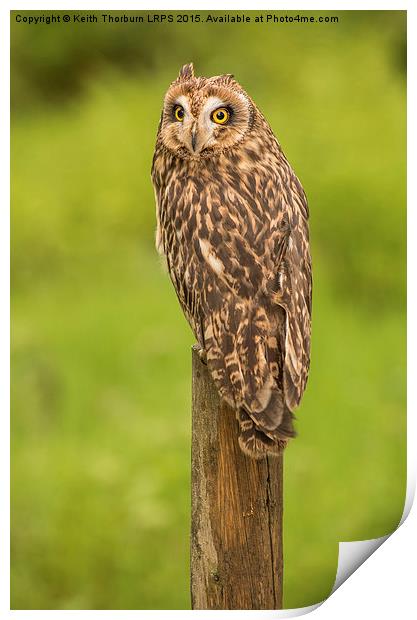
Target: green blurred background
100	349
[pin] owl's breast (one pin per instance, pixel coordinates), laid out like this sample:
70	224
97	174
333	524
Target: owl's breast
224	220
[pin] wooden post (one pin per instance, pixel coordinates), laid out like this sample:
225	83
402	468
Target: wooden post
236	530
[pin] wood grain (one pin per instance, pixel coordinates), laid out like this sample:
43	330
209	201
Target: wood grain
236	529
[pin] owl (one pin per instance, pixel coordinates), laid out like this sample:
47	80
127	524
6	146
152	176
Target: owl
232	225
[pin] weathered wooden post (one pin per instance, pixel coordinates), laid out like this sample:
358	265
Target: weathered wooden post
236	530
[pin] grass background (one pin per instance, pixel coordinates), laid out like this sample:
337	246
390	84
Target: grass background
100	350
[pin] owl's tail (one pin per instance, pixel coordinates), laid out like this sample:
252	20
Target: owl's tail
257	442
245	366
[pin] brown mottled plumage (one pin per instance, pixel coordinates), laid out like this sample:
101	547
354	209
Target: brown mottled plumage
232	222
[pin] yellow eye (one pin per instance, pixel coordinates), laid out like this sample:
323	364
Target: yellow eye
220	116
179	113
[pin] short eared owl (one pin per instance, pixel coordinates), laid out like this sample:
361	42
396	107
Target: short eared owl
232	223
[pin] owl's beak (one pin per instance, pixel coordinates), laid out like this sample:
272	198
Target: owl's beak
197	139
194	138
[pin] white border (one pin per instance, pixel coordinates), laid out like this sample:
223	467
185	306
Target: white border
382	586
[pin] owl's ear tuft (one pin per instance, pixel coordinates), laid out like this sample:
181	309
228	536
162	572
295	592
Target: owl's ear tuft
228	79
224	79
186	72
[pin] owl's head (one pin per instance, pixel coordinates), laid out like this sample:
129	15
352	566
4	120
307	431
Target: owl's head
204	116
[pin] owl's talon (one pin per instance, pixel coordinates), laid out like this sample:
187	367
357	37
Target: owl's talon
202	354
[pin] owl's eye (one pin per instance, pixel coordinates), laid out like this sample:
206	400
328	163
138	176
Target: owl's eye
220	116
179	113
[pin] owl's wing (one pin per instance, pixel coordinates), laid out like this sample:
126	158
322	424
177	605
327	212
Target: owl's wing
174	221
295	296
262	265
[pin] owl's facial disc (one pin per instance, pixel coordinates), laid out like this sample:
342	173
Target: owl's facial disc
206	122
208	126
